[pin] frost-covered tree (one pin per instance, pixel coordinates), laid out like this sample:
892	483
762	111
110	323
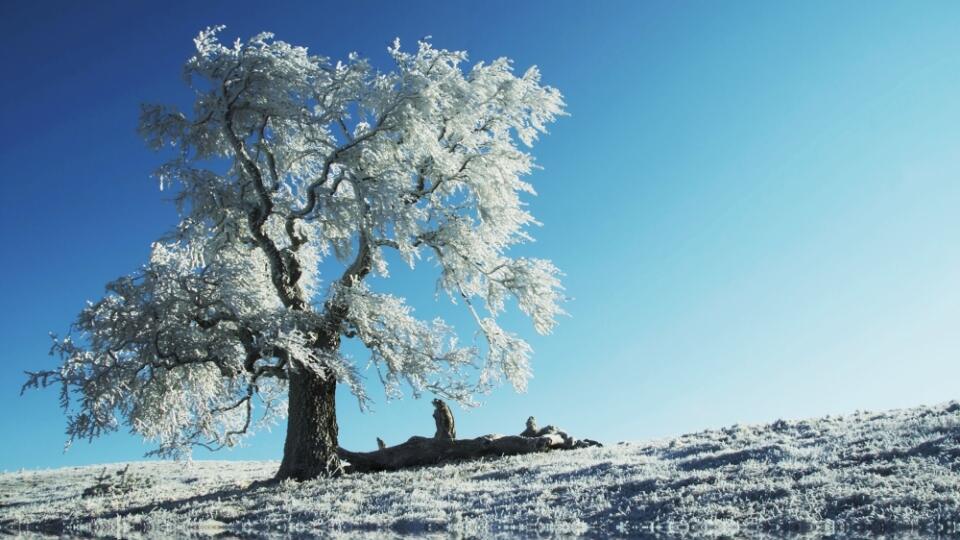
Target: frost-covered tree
289	163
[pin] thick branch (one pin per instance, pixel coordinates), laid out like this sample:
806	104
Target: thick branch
256	218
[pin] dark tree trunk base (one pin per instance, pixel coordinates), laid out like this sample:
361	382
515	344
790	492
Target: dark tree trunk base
423	451
309	450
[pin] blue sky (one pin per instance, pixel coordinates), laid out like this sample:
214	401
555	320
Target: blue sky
755	204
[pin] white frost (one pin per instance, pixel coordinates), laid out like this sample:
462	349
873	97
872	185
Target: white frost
867	472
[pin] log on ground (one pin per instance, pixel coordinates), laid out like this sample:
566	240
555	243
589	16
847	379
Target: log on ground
442	448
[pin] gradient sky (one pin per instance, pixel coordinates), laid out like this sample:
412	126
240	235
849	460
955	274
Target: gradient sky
755	204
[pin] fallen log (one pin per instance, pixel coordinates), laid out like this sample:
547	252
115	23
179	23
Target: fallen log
443	447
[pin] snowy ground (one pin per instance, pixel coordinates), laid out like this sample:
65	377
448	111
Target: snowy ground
896	471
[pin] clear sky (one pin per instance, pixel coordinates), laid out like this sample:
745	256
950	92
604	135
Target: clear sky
755	204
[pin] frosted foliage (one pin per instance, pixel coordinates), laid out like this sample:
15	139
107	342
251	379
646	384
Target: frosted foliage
406	349
287	163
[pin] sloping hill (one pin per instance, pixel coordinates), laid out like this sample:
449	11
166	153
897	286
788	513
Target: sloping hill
891	471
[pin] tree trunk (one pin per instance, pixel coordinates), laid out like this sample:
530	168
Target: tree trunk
310	449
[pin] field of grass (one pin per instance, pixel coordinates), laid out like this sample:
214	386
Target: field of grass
889	472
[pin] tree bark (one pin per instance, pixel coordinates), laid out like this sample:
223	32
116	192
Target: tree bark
310	449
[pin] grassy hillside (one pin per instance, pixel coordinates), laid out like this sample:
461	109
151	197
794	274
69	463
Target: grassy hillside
890	471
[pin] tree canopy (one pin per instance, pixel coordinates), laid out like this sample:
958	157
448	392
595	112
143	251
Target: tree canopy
288	160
